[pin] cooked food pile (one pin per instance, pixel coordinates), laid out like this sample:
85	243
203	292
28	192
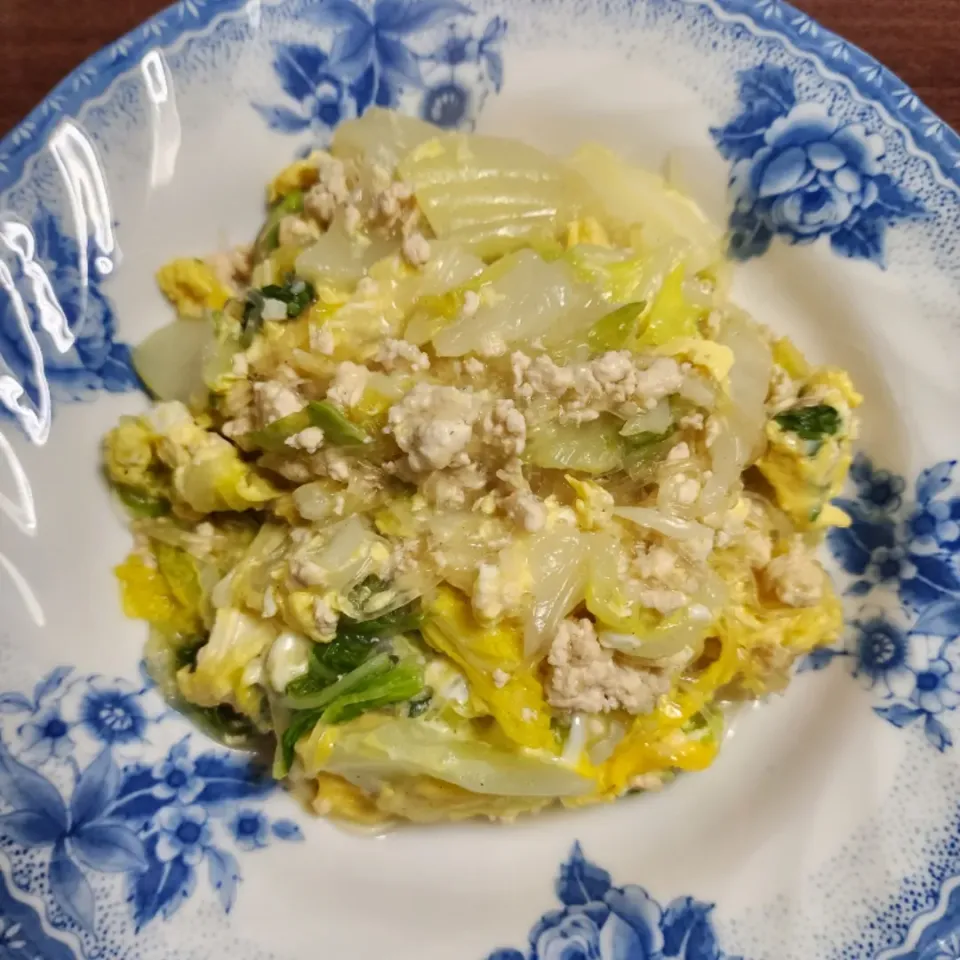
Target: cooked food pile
469	486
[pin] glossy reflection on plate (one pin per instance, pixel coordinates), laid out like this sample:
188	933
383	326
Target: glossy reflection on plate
828	826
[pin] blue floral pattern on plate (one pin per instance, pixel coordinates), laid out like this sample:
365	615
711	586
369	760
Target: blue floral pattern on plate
901	558
22	934
57	327
156	822
375	58
600	921
800	174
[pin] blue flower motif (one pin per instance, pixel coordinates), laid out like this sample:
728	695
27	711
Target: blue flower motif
467	66
66	322
878	489
936	526
599	921
46	736
880	651
321	95
250	829
936	684
371	61
176	777
909	554
378	41
867	537
446	104
801	174
81	834
113	716
184	834
889	565
158	822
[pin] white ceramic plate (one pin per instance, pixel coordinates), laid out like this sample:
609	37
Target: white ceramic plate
830	827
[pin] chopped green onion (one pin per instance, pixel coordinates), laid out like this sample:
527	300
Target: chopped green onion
810	423
142	504
269	237
373	667
294	293
337	429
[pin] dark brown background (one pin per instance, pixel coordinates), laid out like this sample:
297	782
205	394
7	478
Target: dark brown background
42	40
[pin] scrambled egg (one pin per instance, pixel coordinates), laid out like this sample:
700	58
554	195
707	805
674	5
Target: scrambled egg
297	176
467	510
806	475
193	287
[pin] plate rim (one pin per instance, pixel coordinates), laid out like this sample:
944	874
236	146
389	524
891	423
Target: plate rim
800	35
833	56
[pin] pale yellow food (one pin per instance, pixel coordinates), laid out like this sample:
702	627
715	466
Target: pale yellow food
475	491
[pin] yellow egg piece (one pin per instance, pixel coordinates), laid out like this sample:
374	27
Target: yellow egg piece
192	287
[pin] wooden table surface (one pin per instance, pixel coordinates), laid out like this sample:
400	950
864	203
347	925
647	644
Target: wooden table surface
42	40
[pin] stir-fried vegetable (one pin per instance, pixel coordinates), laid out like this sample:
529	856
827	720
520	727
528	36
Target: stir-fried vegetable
468	489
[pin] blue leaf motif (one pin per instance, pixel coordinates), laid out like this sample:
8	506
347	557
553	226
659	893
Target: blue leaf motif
769	85
581	881
178	887
494	63
352	50
744	135
387	95
404	17
95	790
818	659
918	593
934	480
108	847
396	57
848	550
221	766
227	778
286	830
937	733
939	620
53	680
161	888
937	570
859	588
135	799
688	932
221	791
140	806
894	202
495	31
282	119
900	715
70	889
336	13
14	703
364	88
30	828
25	789
224	876
299	67
863	240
